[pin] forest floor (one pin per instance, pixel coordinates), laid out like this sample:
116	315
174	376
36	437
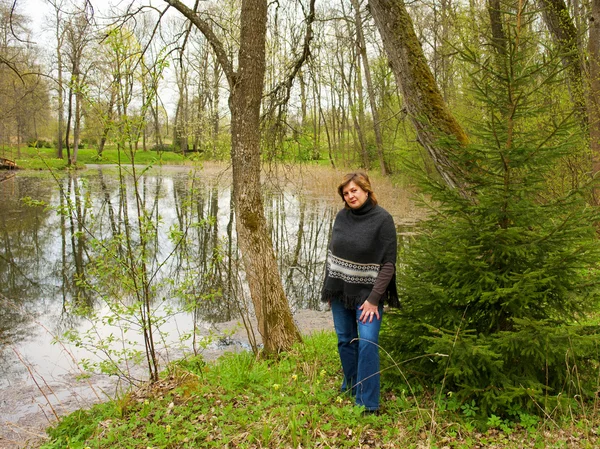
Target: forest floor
239	401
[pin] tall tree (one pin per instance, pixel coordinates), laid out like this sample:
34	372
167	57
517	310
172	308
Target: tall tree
362	47
594	83
425	104
78	37
275	322
502	285
59	35
23	94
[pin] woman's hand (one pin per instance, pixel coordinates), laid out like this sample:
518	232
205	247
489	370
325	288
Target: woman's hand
369	311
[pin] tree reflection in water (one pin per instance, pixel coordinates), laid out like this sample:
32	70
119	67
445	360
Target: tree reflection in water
46	259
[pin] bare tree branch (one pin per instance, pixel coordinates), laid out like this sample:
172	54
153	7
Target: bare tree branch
281	92
212	38
12	67
10	20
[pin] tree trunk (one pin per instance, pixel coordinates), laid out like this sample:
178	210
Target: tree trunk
424	102
362	47
594	86
215	108
559	22
108	120
68	129
61	103
275	321
76	118
356	108
498	34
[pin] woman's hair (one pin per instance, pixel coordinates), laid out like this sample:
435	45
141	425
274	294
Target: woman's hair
361	179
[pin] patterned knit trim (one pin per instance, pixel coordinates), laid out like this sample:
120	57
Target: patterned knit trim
351	272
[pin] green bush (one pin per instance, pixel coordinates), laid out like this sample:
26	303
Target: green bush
39	143
161	147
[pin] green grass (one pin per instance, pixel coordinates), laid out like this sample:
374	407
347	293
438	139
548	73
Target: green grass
241	402
44	158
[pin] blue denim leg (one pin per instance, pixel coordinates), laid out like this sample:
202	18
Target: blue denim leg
359	356
368	383
344	321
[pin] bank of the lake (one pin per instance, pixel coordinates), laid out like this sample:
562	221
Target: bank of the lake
239	401
30	158
29	408
41	373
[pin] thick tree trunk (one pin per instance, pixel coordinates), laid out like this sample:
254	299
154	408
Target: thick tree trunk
424	102
275	322
594	84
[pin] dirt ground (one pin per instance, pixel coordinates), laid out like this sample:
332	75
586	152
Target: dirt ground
26	410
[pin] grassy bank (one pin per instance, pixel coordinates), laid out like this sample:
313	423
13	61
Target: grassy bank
241	402
42	158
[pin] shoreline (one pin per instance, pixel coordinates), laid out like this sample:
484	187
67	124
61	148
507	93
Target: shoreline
34	407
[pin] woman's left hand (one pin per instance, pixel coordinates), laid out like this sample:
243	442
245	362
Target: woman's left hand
369	311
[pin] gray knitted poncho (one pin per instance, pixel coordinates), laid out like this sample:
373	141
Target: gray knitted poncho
362	241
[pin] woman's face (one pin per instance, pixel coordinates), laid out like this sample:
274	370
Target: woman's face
354	196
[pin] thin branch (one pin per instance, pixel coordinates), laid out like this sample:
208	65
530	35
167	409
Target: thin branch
211	37
12	67
285	86
10	21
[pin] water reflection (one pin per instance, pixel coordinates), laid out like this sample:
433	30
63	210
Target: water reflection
49	260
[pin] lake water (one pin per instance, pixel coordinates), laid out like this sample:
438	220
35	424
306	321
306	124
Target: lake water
50	242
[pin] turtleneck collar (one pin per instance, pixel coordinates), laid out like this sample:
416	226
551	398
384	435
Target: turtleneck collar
365	208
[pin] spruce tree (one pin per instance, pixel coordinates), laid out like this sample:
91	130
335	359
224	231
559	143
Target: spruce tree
500	280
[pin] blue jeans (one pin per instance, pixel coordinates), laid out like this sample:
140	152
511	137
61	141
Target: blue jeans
359	353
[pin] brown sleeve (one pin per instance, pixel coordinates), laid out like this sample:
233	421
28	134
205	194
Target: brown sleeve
386	272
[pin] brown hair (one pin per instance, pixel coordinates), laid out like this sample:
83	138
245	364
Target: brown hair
361	179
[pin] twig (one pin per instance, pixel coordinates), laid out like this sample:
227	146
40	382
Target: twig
31	374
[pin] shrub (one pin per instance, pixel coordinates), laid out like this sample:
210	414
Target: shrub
39	143
159	147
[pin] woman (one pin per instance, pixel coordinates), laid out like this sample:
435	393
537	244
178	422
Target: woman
360	277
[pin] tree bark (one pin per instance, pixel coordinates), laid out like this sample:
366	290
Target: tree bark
594	84
77	116
362	47
560	24
424	102
60	89
498	34
275	321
